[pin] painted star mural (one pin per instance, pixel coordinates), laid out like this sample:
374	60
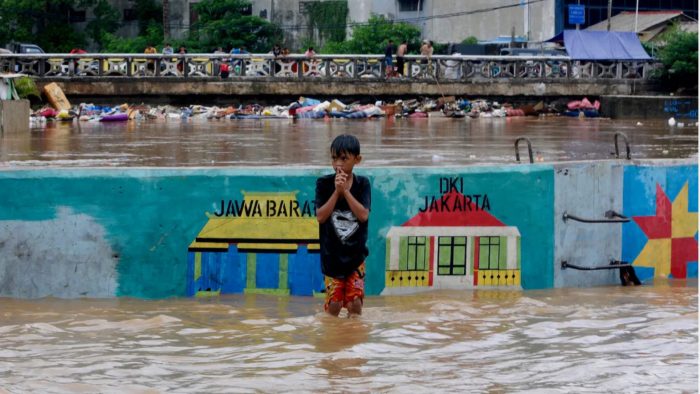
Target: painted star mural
671	235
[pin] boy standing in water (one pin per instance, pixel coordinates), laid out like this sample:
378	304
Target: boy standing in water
343	203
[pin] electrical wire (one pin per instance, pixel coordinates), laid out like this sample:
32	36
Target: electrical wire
300	27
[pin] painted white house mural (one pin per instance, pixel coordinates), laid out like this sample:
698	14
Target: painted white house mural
452	249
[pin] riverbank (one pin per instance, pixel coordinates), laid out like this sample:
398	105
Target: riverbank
617	105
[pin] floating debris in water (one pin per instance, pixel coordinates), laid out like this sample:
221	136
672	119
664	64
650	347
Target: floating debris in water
310	108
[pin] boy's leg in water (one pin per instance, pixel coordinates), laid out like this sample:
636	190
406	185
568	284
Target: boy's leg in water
334	308
355	291
335	293
355	307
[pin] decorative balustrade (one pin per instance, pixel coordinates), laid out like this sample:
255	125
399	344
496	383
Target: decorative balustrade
352	67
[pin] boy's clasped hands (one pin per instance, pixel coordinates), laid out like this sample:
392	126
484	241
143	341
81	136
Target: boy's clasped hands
342	183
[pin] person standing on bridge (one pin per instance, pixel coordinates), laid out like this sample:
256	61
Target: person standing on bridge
150	50
389	58
276	52
426	50
343	201
310	64
400	53
181	64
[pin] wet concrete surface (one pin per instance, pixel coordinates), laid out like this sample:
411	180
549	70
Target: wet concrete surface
433	142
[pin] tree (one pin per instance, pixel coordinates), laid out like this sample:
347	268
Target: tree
471	40
225	23
45	22
106	21
148	14
680	59
371	38
116	44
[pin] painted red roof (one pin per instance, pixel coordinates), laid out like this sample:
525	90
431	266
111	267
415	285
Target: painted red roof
466	216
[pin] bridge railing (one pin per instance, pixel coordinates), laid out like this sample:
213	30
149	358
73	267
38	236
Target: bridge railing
353	67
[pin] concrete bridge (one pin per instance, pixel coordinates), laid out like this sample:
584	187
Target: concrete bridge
184	76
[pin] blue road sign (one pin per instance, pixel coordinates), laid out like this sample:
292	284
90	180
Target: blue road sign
577	14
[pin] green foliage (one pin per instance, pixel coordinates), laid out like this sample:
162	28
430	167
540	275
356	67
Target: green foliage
106	20
332	47
17	20
148	13
60	38
222	23
371	38
439	49
26	88
330	18
680	58
307	42
45	23
116	44
471	40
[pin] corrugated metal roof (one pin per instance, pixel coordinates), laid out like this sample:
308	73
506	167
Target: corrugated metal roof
648	20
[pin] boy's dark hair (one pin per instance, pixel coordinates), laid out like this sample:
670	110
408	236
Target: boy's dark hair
345	143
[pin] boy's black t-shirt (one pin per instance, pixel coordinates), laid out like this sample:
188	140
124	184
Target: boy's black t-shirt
343	237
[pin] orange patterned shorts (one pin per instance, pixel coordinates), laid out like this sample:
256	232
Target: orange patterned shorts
347	289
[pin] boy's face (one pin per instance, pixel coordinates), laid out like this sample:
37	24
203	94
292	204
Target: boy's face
344	161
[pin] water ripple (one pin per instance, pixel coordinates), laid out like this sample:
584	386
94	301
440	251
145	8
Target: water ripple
567	340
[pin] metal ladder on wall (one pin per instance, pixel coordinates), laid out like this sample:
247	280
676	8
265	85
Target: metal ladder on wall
627	274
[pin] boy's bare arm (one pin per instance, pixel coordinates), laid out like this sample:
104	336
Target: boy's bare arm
323	213
358	209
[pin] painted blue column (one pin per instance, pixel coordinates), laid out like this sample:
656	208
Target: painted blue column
233	271
267	271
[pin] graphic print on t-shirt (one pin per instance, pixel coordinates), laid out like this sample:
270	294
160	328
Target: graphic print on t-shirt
345	224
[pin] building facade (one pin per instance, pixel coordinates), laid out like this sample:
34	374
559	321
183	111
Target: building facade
597	10
443	21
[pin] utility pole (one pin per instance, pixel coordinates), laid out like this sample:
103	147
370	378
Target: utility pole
578	25
636	16
609	13
527	21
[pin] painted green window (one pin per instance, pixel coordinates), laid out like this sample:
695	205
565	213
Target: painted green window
413	254
490	253
452	255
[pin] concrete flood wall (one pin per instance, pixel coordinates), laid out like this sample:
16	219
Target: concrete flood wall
196	232
587	191
650	107
199	90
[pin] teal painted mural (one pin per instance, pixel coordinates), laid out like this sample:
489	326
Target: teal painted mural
139	228
152	232
261	241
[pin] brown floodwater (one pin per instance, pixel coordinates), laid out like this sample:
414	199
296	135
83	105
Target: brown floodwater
436	141
607	339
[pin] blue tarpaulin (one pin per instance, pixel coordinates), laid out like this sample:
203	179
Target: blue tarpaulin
601	45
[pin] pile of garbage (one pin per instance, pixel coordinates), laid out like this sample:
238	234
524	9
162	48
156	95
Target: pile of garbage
309	108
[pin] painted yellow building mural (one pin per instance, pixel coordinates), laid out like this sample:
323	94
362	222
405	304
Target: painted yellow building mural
264	243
